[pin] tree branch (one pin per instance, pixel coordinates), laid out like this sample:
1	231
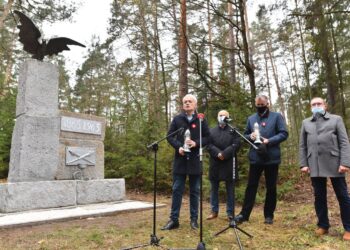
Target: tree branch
324	13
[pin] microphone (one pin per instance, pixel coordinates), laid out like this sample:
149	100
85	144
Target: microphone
200	116
226	119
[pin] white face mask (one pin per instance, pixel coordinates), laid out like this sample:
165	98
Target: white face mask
316	110
221	120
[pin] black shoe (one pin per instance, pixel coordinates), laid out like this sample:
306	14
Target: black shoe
268	220
171	225
240	219
194	224
229	217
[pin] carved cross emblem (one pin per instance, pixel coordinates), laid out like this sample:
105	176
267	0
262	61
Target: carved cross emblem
80	156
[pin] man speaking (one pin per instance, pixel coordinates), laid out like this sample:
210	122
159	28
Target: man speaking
186	161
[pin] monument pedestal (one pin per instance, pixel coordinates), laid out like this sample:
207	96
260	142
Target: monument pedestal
23	196
35	138
34	149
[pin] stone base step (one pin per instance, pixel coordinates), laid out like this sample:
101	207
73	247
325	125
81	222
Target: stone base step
24	196
68	213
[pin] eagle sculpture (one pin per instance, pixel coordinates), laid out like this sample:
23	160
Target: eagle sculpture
29	36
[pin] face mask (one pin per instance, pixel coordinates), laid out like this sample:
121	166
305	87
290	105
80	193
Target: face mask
317	110
221	120
261	109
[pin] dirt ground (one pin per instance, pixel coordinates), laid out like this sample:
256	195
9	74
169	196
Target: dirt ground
30	237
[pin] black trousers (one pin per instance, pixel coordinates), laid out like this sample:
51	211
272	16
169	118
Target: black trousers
271	173
341	190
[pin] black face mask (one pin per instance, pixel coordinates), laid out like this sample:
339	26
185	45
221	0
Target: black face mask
261	109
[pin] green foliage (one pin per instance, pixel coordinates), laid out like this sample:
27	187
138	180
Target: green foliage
47	10
7	117
127	157
64	95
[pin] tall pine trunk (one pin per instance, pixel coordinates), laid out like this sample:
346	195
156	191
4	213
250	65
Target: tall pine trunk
211	71
268	78
156	46
305	64
247	64
166	96
5	12
250	45
339	70
232	46
183	80
146	51
275	75
323	38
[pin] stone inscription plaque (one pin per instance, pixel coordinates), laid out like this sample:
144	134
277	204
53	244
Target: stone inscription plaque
77	125
77	156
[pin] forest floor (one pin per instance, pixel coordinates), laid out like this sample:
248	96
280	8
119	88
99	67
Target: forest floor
293	228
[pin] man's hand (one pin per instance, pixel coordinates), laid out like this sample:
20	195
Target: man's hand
221	157
265	141
305	170
253	136
181	151
190	143
343	169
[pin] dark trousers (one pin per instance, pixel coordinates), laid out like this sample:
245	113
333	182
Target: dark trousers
271	173
320	192
214	196
179	181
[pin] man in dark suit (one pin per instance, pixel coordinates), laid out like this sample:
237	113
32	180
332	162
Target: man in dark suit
186	163
273	131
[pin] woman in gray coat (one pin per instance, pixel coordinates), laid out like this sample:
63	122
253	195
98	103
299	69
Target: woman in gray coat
325	152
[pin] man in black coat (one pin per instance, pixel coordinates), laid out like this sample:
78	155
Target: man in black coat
186	163
223	146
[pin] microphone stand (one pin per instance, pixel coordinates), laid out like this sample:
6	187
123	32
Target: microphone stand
233	129
201	244
154	241
232	223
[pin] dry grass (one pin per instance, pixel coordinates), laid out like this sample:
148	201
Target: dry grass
293	229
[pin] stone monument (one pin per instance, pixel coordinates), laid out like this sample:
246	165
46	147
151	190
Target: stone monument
57	157
35	138
81	149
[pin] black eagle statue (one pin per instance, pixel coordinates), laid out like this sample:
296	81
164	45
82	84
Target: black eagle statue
29	35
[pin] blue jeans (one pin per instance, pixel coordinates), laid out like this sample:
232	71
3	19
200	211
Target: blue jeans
179	181
320	191
214	196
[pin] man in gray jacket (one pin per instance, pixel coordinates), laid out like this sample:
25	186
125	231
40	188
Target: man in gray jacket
325	152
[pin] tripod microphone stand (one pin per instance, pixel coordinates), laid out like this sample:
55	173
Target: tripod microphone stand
233	223
154	240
